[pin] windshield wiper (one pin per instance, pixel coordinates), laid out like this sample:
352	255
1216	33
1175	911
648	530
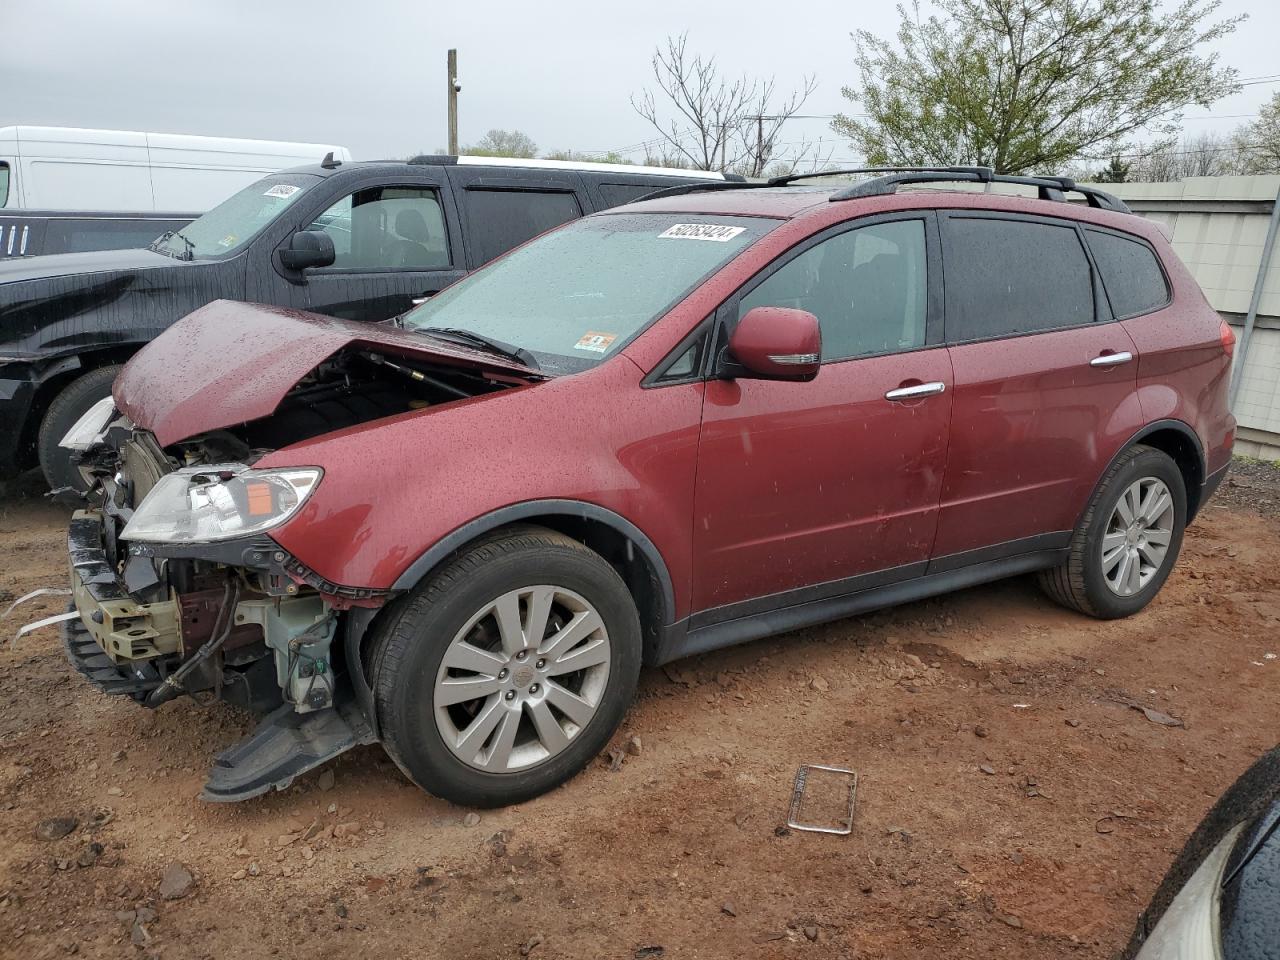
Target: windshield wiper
488	344
188	254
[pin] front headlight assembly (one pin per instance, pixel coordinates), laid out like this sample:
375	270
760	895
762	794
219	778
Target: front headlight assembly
205	504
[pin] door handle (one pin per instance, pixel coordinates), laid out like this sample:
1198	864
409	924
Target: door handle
917	391
1111	359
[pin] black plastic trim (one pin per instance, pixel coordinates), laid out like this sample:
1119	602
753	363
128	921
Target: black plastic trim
1176	425
1057	540
686	640
531	510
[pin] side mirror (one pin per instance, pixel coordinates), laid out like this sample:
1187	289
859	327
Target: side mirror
777	343
308	248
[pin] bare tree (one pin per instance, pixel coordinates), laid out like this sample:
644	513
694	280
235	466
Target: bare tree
1201	155
710	121
1259	142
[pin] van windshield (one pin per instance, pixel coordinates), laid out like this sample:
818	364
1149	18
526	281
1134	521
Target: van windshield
576	295
234	222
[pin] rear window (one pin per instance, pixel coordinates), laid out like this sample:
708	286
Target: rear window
1130	273
1008	277
502	219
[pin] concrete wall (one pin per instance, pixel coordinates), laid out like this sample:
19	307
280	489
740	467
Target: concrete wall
1219	226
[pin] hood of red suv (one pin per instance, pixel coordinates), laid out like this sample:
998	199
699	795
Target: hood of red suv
229	363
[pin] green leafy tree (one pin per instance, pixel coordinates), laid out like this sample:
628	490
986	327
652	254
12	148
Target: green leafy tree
503	143
1029	85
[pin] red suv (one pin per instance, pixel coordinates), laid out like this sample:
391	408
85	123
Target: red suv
703	418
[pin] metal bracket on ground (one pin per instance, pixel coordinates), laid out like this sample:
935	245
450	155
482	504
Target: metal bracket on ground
845	827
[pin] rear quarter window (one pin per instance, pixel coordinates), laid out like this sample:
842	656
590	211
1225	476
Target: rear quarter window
1130	274
502	219
616	194
1009	277
4	184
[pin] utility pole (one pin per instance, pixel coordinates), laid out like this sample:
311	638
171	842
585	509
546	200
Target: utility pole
759	146
454	89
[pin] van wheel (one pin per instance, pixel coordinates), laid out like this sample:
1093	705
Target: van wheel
507	672
67	407
1127	542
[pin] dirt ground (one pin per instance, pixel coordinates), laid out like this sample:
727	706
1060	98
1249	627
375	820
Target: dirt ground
1011	803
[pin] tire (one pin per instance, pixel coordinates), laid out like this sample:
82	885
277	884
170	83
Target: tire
1086	581
452	620
67	407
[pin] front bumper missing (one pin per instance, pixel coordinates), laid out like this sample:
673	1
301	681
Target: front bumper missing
117	642
122	647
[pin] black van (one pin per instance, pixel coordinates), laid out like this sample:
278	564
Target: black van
364	241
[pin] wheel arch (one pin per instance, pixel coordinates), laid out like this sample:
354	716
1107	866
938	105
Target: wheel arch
622	544
1180	442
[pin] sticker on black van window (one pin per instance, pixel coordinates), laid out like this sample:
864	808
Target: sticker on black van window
719	232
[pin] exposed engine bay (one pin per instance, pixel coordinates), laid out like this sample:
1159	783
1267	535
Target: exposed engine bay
181	591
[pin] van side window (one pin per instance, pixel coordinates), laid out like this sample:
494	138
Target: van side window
398	228
4	183
616	194
1130	273
80	236
502	219
867	287
1006	277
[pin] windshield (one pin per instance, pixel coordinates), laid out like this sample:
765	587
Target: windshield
574	296
234	222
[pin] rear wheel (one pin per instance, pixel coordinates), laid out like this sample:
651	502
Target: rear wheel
67	407
509	670
1128	540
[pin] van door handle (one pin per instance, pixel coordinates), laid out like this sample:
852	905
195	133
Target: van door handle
917	391
1111	359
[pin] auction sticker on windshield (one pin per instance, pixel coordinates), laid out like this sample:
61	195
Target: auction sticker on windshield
721	233
282	190
594	342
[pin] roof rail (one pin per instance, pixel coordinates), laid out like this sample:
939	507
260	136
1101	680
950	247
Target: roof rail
1048	188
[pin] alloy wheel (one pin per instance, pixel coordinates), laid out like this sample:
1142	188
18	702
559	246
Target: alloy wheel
1135	545
522	678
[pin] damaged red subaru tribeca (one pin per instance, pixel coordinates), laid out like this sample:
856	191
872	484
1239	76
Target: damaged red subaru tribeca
700	419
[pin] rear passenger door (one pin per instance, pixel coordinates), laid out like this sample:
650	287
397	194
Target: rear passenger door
1044	389
500	211
392	248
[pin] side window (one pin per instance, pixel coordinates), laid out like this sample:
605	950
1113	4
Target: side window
386	228
502	219
1130	273
4	183
867	287
81	236
1006	277
616	194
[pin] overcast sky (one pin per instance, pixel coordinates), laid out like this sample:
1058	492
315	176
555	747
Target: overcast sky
370	75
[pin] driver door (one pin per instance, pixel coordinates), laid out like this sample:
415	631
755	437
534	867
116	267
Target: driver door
392	251
807	491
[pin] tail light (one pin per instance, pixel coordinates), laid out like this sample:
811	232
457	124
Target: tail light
1228	339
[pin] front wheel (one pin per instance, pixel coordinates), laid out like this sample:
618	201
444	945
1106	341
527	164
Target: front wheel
1128	540
508	671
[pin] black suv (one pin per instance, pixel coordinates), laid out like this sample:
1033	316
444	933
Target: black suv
363	241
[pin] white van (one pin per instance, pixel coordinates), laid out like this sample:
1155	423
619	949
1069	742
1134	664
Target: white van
67	168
